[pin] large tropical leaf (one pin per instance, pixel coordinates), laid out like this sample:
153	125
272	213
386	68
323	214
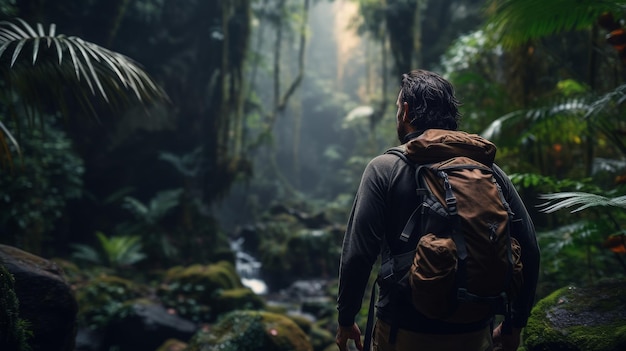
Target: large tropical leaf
579	200
518	21
41	71
511	122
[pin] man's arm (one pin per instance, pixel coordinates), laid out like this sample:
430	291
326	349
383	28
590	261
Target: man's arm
361	244
526	236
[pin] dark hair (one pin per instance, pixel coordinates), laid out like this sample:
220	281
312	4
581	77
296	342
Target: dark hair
431	100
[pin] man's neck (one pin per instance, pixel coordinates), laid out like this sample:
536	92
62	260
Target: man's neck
412	135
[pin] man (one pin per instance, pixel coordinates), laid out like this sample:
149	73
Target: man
385	200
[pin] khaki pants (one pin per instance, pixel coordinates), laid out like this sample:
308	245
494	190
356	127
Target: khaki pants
412	341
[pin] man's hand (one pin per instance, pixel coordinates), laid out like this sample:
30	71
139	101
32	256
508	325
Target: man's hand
506	342
345	333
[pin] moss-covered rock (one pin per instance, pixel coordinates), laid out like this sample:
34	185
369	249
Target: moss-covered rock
46	301
321	338
304	322
251	331
220	275
580	319
13	332
105	298
202	292
172	345
237	299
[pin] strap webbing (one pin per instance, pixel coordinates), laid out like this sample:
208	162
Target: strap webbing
369	327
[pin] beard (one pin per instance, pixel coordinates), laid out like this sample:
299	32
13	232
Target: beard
402	132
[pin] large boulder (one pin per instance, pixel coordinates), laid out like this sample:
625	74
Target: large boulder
145	327
13	332
251	331
589	318
120	314
46	300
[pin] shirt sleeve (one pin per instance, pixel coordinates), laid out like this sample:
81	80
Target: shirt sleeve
526	236
362	240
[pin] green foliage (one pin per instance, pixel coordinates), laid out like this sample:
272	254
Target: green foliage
558	201
7	7
35	193
14	331
115	252
101	69
543	183
37	65
517	22
104	299
470	64
573	254
148	222
181	297
570	87
194	291
153	211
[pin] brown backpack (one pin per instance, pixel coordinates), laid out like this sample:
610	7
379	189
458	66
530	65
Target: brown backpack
466	267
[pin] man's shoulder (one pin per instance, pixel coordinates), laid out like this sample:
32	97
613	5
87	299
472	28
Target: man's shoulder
389	158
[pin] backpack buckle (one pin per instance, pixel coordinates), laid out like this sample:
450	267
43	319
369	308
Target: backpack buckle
386	269
450	198
462	294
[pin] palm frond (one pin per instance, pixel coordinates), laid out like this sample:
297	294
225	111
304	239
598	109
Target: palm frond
606	115
4	135
610	99
86	253
46	70
581	200
100	68
575	107
517	21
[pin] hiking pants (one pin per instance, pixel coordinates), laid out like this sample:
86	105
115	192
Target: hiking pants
411	341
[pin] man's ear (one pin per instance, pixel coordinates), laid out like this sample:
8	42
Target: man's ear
405	112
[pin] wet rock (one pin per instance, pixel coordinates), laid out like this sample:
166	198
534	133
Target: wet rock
146	327
589	318
46	300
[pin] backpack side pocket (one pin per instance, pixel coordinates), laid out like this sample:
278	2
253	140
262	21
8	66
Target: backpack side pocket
432	276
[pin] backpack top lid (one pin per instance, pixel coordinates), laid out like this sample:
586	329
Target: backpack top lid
435	145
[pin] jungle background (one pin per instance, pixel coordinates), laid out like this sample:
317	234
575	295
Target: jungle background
265	113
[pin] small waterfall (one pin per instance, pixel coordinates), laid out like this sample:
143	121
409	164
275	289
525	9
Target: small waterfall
248	268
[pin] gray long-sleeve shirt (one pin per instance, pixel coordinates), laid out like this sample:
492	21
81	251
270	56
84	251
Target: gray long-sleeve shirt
385	200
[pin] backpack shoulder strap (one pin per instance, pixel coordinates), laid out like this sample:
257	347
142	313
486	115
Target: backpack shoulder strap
400	152
421	189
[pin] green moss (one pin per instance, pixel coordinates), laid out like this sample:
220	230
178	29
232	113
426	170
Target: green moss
304	323
251	331
172	345
606	337
579	319
321	338
13	330
237	331
104	298
202	292
221	275
236	299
